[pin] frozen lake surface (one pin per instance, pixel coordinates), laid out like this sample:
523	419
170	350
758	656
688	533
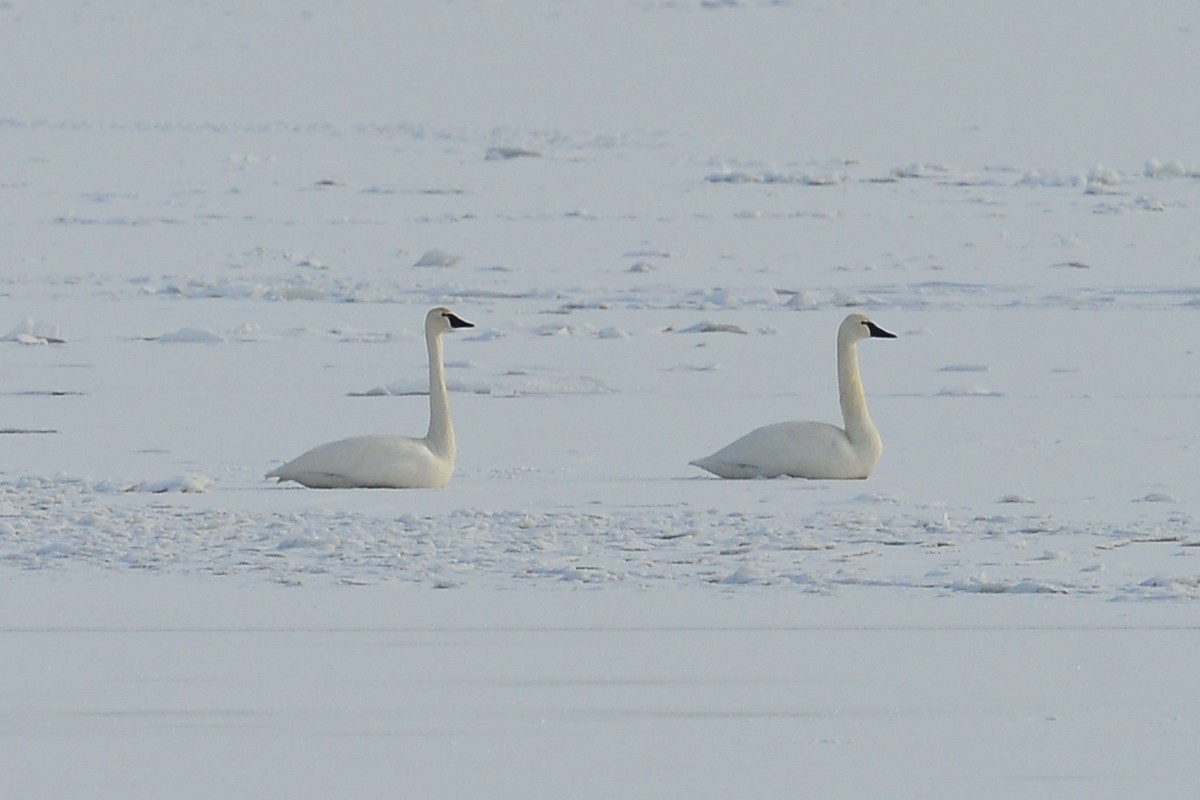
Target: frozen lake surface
151	685
219	245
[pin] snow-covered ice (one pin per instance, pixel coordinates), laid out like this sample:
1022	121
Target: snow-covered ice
220	241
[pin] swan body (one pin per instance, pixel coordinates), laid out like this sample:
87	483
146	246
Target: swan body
390	462
815	450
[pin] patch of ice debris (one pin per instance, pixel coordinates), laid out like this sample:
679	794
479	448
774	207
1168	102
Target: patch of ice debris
28	331
774	176
55	523
438	258
1170	169
514	384
188	336
184	483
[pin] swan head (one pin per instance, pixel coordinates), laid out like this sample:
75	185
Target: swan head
441	319
860	326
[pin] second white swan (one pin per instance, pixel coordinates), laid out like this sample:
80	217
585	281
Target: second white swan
813	449
390	462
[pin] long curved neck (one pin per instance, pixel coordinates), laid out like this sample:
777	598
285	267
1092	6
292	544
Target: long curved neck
859	427
441	433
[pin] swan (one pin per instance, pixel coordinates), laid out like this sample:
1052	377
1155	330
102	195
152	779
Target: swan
390	462
813	449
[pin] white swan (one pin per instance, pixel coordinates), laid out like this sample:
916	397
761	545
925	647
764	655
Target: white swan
813	449
390	462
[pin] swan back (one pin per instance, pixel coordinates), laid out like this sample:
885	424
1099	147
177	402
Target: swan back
368	462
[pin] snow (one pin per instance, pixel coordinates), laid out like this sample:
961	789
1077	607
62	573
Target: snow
219	244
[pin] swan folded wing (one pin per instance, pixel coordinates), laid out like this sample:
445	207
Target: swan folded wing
368	462
814	450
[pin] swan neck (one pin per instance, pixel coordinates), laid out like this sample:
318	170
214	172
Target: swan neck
850	391
441	433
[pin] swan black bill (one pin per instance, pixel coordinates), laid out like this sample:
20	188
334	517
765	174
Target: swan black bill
457	321
878	332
